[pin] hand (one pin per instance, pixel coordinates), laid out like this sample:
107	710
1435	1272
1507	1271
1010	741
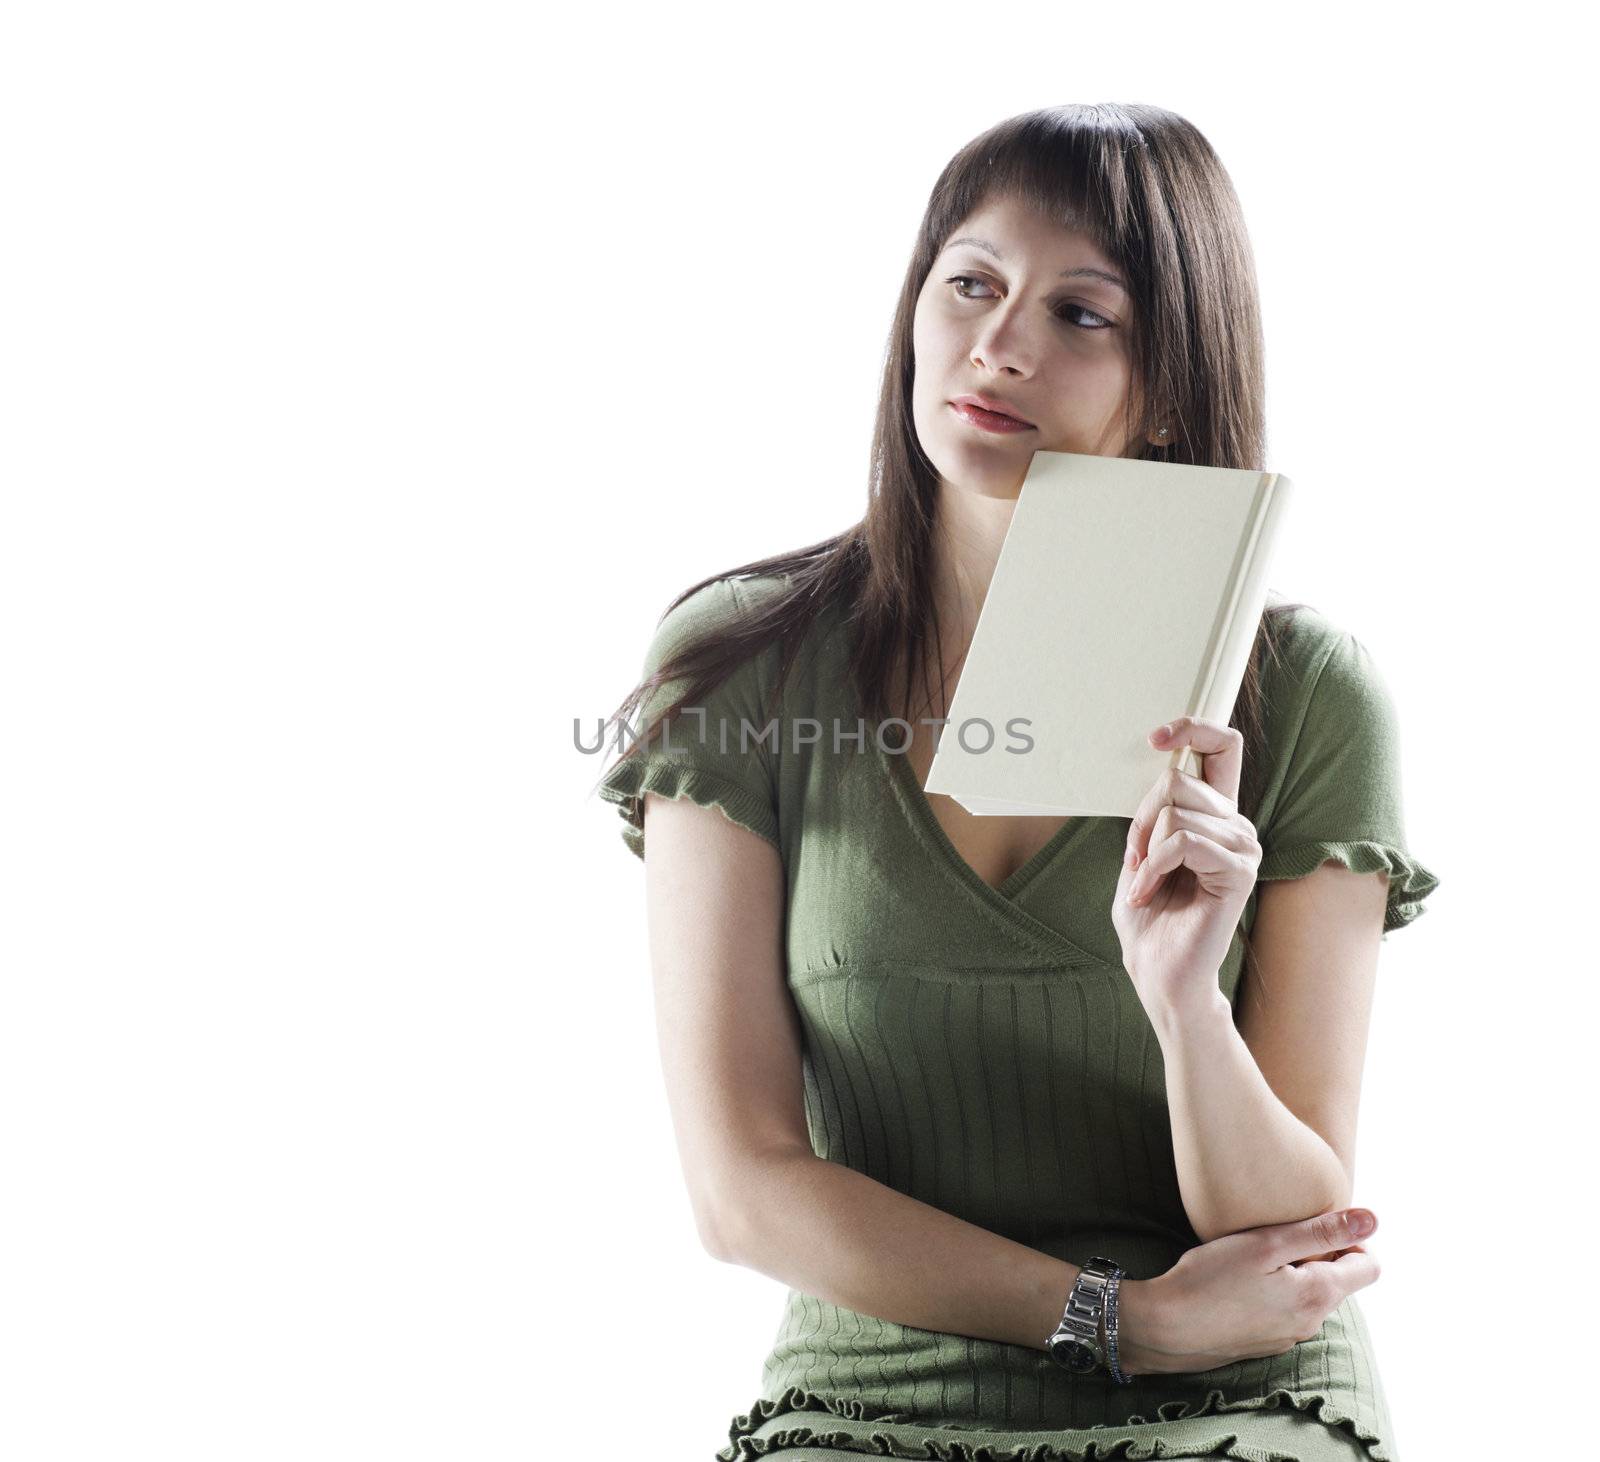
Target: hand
1190	865
1245	1295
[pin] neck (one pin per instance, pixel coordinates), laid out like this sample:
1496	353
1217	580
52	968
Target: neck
968	530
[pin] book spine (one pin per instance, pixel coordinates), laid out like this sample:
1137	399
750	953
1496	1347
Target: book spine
1239	611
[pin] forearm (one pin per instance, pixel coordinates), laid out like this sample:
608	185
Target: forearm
829	1231
1243	1158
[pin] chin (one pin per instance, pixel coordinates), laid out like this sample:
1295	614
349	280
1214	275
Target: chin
995	483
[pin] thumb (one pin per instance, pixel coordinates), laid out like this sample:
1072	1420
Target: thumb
1326	1234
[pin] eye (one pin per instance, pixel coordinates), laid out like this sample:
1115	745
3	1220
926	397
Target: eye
1101	322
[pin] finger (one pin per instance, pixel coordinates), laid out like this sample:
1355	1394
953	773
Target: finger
1227	830
1322	1288
1221	749
1319	1235
1331	1255
1184	849
1173	788
1356	1270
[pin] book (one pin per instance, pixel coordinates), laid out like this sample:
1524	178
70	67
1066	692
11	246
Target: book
1126	593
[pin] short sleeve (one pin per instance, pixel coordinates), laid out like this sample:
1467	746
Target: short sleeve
722	755
1339	796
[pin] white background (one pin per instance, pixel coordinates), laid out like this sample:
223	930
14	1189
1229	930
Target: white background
373	378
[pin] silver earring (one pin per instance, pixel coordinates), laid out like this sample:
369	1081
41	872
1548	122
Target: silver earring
1162	432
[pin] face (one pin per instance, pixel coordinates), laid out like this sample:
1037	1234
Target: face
1028	331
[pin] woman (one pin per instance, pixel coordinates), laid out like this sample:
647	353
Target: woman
925	1067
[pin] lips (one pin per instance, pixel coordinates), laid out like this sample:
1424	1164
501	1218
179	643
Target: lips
992	404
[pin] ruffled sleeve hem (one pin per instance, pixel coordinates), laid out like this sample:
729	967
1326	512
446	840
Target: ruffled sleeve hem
893	1434
1409	881
671	777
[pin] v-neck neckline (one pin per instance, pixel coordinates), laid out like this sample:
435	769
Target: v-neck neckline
1000	900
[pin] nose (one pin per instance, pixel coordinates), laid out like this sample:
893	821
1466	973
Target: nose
1003	342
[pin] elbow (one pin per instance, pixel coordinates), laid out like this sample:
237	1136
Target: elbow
1341	1186
714	1229
714	1240
1332	1197
728	1230
1221	1227
729	1214
722	1220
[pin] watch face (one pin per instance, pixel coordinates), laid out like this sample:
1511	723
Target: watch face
1074	1355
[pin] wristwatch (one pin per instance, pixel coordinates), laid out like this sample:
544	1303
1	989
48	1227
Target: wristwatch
1078	1342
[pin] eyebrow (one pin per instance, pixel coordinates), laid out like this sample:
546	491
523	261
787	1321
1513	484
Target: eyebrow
1084	270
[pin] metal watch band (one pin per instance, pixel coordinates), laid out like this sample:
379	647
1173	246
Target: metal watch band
1076	1341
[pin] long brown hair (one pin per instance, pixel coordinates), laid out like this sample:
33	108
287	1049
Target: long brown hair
1146	186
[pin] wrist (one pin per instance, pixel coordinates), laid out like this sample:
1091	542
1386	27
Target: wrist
1142	1327
1204	1009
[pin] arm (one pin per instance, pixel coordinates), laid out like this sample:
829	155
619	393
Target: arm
731	1053
1264	1114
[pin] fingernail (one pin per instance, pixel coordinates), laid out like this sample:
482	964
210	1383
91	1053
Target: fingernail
1130	859
1162	732
1361	1222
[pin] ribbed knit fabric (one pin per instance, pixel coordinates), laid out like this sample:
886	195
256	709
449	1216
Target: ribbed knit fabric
983	1050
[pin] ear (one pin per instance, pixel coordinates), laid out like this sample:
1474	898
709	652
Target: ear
1164	417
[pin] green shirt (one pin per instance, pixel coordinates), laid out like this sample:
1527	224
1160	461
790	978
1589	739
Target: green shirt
983	1050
